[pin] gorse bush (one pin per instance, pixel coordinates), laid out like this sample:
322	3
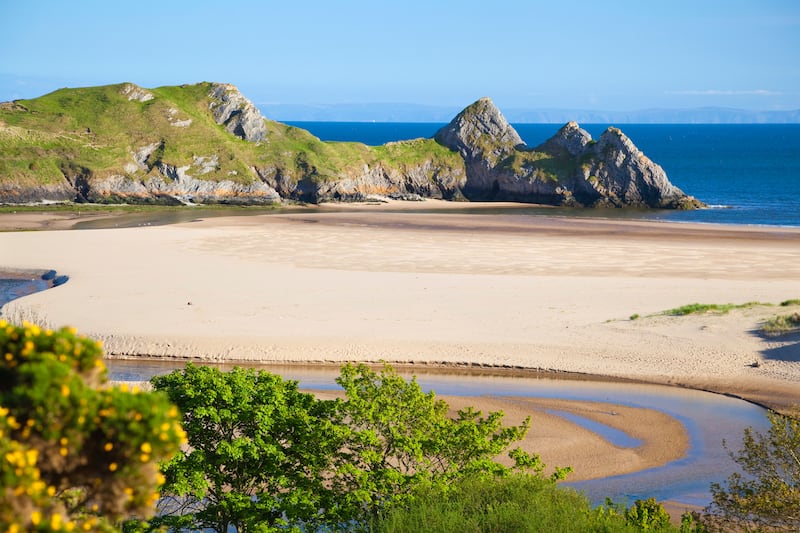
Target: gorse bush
75	453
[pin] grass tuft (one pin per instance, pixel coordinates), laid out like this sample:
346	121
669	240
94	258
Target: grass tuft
781	325
699	309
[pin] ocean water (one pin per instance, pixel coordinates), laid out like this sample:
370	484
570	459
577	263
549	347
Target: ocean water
747	173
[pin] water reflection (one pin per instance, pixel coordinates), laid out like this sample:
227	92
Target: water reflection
21	283
166	216
190	214
709	419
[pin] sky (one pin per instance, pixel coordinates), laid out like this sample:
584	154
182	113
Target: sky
621	55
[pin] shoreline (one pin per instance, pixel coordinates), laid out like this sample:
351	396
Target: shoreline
789	398
65	216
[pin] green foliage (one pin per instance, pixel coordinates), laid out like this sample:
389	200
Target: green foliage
514	504
647	515
75	453
765	496
787	303
402	438
263	456
782	324
692	522
698	309
258	451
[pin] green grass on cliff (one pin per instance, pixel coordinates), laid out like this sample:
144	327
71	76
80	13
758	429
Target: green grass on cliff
99	128
405	154
540	165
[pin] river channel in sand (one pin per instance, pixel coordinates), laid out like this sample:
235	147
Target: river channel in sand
708	419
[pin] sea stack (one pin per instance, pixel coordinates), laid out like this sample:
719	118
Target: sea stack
570	169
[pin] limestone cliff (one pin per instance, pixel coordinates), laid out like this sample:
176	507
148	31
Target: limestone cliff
569	169
236	113
207	143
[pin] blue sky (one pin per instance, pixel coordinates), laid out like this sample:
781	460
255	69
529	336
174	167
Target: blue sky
578	54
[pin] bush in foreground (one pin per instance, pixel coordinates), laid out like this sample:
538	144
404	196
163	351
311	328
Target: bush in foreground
518	503
74	452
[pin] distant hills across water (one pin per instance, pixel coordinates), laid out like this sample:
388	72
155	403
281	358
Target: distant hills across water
390	112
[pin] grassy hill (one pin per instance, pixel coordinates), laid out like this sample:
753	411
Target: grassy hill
126	132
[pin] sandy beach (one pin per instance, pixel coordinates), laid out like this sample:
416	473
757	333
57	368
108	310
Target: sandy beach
440	288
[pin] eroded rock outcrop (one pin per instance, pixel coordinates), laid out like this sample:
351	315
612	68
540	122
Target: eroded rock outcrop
424	179
621	175
134	92
480	133
174	186
12	193
236	112
569	169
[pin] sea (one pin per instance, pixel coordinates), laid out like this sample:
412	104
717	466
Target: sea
747	173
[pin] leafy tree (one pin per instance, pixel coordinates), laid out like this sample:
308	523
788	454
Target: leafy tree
75	453
402	438
647	515
766	496
258	452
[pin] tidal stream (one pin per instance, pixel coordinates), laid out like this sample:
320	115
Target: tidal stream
708	418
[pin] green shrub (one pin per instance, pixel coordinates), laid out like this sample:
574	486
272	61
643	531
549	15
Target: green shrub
781	324
697	308
647	515
765	494
514	504
77	453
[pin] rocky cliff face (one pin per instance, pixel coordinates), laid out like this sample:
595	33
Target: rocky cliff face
619	174
481	134
570	169
427	178
174	187
236	113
